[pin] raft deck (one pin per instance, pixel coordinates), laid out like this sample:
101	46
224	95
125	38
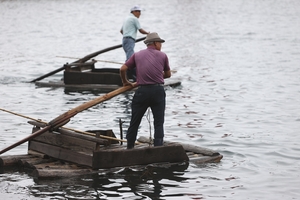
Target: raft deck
65	153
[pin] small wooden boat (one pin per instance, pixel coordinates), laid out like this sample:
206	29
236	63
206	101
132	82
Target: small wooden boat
84	76
67	152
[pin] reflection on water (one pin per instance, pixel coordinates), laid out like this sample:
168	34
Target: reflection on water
238	63
146	182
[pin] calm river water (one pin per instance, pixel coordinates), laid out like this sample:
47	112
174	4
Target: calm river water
238	62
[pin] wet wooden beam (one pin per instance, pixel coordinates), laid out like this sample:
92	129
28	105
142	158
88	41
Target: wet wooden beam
62	153
138	156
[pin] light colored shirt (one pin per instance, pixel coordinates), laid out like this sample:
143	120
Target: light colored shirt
150	65
130	26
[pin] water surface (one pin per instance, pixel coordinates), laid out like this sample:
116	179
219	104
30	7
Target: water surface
239	66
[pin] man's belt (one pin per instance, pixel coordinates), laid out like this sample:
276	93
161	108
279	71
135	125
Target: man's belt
147	85
129	37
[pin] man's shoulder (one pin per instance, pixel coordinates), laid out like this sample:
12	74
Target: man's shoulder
159	52
131	17
141	51
146	51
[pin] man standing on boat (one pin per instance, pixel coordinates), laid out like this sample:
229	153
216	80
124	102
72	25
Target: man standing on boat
129	31
152	67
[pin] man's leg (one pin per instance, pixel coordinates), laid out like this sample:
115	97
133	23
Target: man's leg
138	107
128	46
158	109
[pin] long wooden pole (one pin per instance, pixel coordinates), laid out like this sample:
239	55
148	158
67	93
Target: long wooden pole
84	59
105	61
64	118
70	129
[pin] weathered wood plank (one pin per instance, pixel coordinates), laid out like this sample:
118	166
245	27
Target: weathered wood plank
197	149
67	142
30	163
74	134
74	77
22	161
61	153
138	156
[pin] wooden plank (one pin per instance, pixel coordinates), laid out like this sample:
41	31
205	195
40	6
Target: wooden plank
73	77
138	156
67	142
110	70
30	163
202	150
80	66
83	137
74	134
61	153
37	154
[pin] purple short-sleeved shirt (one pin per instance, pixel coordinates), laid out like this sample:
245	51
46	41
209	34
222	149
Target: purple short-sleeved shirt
150	65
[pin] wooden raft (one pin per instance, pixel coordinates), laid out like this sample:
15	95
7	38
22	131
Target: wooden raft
65	153
95	152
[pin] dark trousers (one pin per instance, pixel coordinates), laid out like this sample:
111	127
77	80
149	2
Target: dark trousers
147	96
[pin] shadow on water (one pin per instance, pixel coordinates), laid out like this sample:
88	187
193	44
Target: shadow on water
141	182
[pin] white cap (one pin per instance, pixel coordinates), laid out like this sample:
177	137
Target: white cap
136	7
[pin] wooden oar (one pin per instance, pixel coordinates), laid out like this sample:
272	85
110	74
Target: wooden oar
64	118
84	59
105	61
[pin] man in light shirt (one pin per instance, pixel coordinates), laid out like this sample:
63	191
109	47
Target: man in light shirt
129	31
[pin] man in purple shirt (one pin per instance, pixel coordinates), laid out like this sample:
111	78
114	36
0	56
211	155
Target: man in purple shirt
152	67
